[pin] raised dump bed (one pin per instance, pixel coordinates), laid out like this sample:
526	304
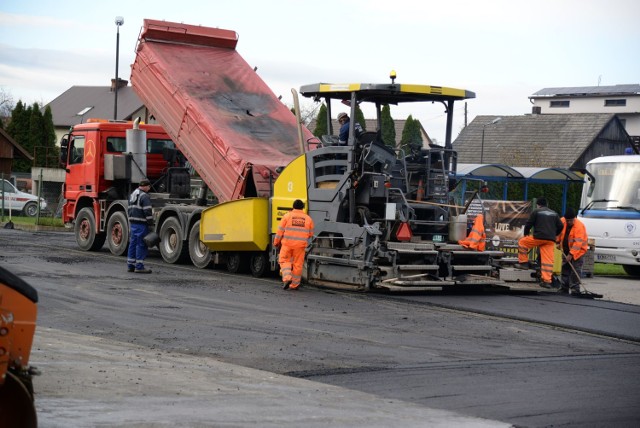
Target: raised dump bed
228	123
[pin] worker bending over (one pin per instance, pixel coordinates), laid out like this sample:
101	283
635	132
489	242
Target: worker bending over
546	226
573	241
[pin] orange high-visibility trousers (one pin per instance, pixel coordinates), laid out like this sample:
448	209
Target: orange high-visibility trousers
477	237
291	262
546	254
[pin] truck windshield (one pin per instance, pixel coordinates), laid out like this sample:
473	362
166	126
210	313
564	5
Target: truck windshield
617	187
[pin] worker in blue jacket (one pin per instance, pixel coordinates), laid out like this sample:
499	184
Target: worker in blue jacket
140	218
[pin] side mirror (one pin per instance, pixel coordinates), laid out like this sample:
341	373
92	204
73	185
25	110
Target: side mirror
592	185
64	150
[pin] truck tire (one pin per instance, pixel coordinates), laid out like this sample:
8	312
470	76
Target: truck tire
85	230
200	255
237	262
118	233
259	264
173	247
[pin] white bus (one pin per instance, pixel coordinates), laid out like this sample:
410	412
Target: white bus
610	210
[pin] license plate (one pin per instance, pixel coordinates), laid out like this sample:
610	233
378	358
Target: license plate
605	257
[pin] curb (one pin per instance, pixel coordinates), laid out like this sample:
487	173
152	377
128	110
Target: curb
36	228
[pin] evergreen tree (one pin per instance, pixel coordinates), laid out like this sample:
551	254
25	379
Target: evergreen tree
53	152
321	122
18	129
388	127
36	135
360	118
411	135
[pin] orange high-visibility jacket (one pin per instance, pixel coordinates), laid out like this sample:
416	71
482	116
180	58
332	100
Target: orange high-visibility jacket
476	240
578	238
295	230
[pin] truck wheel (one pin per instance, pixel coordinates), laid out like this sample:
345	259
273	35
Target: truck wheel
631	270
259	264
172	244
199	253
237	262
30	209
85	230
118	233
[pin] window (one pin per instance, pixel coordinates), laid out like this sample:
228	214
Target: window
564	103
116	144
615	103
77	150
156	146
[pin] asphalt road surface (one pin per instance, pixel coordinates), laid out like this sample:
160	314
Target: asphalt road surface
191	347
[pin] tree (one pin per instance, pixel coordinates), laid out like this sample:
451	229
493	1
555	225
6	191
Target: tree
411	136
321	122
360	118
34	131
6	106
388	127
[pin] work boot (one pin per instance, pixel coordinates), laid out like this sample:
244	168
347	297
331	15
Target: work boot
286	284
575	291
130	269
563	290
143	270
545	285
521	266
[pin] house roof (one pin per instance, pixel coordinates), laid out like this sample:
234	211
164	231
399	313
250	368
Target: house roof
549	140
588	91
66	106
22	153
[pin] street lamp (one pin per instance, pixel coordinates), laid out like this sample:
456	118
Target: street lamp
493	122
119	22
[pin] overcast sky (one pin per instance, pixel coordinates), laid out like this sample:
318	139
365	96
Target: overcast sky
503	50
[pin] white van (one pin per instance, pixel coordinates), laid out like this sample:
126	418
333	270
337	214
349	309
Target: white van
15	200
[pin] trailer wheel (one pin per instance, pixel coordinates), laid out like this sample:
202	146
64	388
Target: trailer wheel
172	244
85	230
237	262
259	264
200	255
118	233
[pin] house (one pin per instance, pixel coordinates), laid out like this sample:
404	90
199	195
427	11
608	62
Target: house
622	100
542	140
372	125
79	103
10	150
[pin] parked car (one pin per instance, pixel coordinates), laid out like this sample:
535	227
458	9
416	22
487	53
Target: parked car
15	200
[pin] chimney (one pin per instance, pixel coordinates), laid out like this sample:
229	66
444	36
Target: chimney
536	110
121	84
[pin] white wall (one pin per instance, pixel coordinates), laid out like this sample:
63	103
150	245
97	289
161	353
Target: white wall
630	113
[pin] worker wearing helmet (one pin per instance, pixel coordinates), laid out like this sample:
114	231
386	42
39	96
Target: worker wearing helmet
343	137
294	234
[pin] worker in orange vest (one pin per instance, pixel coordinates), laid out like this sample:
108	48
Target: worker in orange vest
294	234
546	226
573	241
477	238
